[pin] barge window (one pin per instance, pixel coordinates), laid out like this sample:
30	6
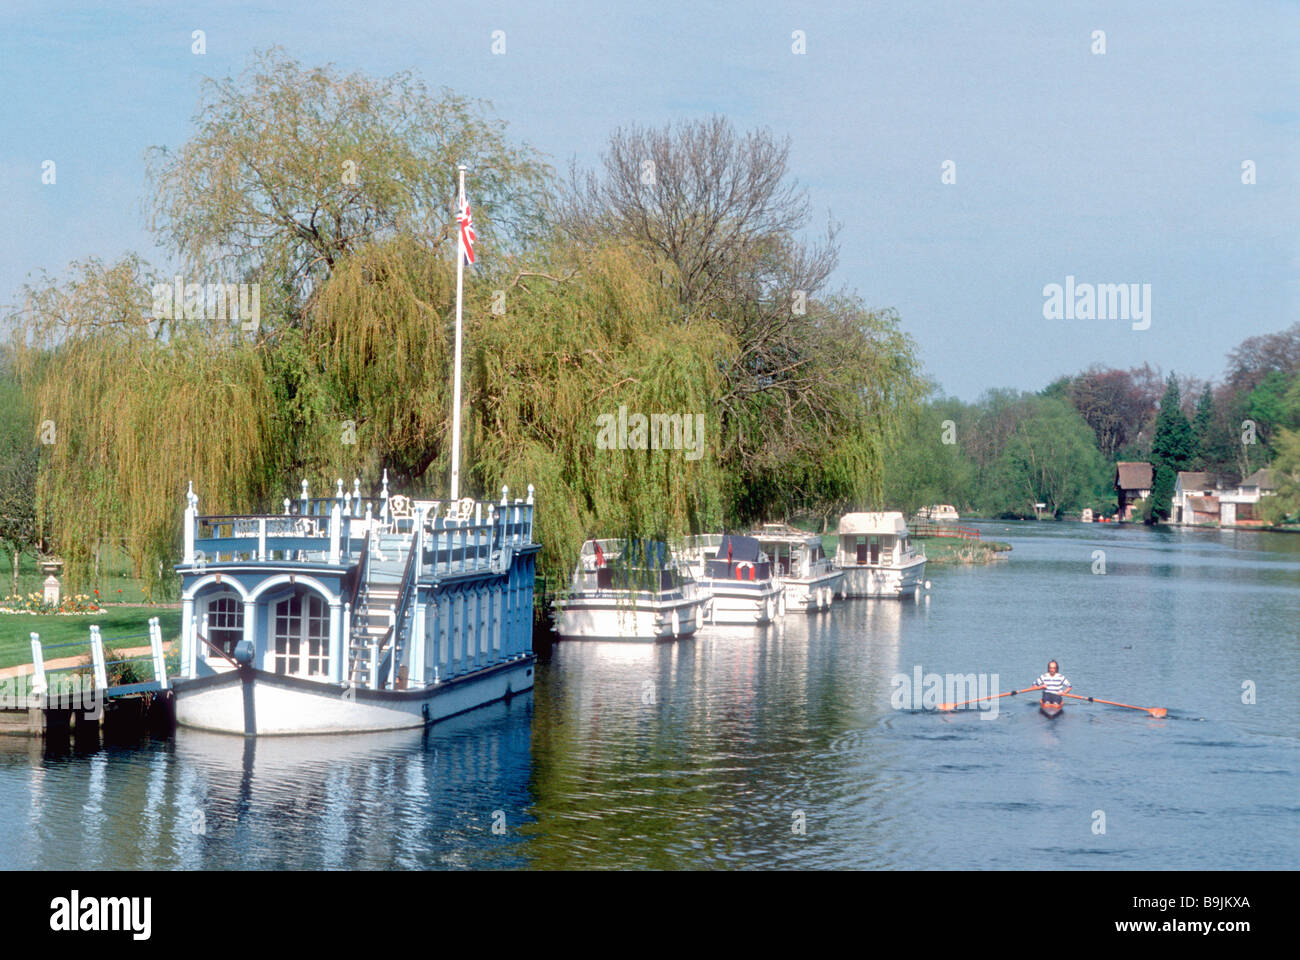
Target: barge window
302	630
225	623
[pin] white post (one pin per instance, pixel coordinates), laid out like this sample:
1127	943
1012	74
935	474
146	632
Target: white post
190	523
336	525
338	618
249	631
261	538
455	393
374	665
200	629
38	666
97	658
155	642
337	667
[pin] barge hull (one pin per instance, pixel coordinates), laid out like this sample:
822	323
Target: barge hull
256	703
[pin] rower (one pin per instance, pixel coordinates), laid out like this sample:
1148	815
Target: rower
1053	683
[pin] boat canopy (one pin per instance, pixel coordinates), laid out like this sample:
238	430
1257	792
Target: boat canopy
889	522
738	549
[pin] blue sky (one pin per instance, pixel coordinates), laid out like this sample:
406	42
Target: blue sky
1123	167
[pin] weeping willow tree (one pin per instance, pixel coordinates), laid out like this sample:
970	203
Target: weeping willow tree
814	385
547	354
552	378
291	172
127	408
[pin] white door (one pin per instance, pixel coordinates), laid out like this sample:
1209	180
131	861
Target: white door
302	636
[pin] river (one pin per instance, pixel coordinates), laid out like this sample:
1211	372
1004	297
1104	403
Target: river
780	748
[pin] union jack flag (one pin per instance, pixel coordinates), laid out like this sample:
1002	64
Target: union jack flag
467	236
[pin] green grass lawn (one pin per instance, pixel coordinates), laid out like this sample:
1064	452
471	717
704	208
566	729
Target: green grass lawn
114	623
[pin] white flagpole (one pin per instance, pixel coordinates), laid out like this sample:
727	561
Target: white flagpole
455	401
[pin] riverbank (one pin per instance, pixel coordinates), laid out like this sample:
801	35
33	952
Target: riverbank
943	551
116	623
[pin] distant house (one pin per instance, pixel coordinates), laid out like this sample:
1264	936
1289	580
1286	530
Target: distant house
1196	498
1132	483
1240	507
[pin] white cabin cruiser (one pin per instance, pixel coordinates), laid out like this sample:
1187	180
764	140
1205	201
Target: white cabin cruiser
877	556
738	578
628	590
808	575
940	513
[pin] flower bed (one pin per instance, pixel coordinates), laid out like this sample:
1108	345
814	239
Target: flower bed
35	603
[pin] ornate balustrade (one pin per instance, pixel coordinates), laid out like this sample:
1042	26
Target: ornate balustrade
464	536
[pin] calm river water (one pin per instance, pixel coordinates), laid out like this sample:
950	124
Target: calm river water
780	748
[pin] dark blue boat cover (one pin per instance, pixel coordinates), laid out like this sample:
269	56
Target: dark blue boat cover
743	549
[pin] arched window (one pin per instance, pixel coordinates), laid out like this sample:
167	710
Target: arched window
225	623
302	636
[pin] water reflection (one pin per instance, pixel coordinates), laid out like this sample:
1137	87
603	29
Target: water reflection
410	799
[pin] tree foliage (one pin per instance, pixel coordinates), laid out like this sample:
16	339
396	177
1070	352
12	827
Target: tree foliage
1174	443
18	468
291	168
813	391
697	299
135	410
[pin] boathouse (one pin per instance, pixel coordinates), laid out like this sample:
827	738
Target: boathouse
1133	481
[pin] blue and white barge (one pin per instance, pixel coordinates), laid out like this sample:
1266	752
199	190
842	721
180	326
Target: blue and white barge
350	614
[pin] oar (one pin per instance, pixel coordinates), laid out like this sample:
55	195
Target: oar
997	696
1154	711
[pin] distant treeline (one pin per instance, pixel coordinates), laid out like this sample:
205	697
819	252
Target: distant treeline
1010	450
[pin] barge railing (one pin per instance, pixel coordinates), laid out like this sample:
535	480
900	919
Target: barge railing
456	535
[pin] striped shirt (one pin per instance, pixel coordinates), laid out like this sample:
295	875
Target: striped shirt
1052	682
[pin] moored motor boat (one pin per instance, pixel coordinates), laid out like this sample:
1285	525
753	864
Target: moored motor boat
877	556
629	590
808	575
738	578
1050	710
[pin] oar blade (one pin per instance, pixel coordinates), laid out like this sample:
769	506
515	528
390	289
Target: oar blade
1158	712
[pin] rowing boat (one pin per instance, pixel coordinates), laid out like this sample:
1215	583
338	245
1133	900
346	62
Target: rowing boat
1051	710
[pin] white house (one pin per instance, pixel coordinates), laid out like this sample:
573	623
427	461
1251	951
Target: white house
1196	498
1240	507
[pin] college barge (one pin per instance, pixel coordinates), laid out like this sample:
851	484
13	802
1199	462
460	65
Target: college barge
354	614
